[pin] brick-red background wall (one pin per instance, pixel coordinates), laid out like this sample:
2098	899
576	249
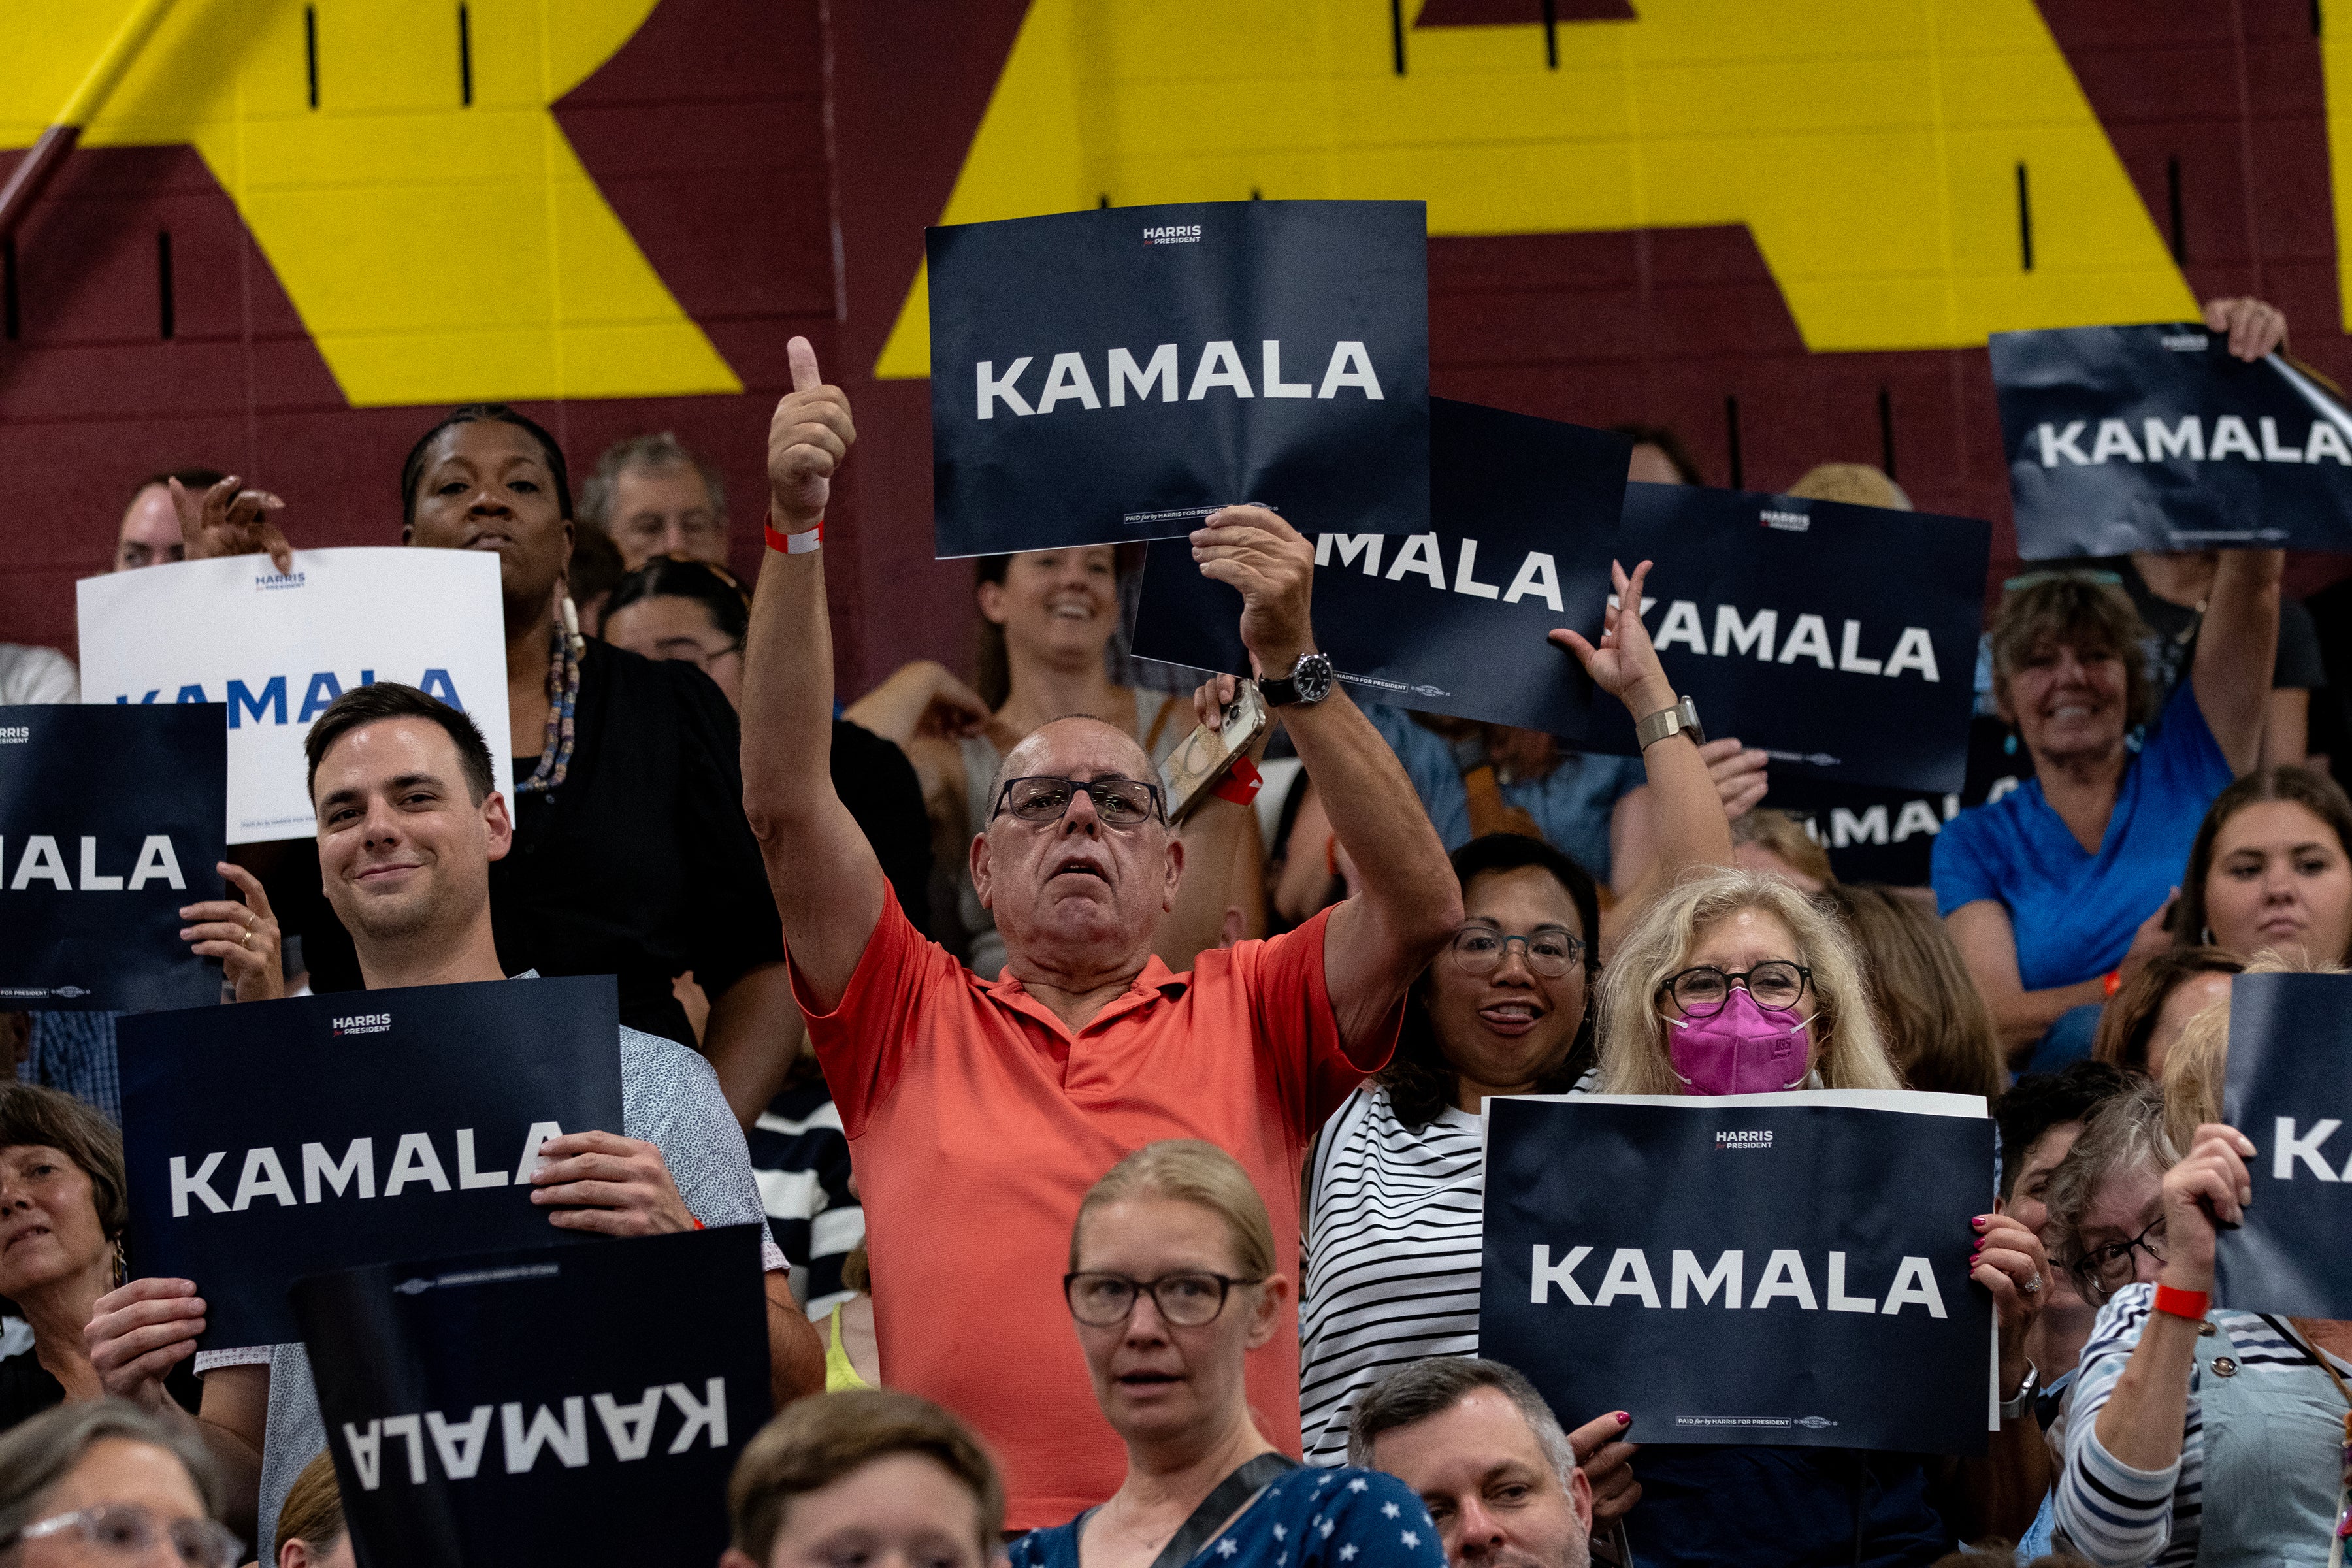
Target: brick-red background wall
777	161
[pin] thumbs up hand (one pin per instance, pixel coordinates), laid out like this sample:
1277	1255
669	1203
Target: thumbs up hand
807	441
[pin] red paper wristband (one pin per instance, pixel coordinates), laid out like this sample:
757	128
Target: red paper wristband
790	543
2179	1303
1241	784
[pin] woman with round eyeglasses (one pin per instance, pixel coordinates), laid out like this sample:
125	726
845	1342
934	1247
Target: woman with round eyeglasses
1736	982
104	1485
1394	1221
2194	1433
1172	1285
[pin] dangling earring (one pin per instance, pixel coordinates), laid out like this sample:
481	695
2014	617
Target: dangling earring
2008	742
122	1265
570	614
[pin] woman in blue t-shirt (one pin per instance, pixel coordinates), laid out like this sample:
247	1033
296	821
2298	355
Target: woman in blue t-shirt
2057	890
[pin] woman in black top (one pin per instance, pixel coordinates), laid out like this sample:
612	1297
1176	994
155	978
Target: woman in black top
631	856
63	1204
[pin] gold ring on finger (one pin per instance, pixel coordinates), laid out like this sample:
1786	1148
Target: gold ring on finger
246	941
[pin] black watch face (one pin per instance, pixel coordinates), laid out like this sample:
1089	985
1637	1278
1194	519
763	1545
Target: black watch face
1312	679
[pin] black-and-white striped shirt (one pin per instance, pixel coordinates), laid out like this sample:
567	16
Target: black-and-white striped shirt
1394	1224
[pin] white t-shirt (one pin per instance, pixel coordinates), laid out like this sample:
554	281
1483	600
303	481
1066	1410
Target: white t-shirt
29	675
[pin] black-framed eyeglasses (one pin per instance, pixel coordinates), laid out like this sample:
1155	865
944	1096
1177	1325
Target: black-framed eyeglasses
2103	1270
1776	986
1043	797
1187	1299
1549	951
125	1531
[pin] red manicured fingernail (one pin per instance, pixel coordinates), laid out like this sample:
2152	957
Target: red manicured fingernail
1624	1418
1978	1222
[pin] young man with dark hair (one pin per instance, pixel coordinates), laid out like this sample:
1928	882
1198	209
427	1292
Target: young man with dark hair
407	830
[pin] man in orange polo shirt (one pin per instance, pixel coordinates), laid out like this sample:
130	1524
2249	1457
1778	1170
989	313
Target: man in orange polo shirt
979	1112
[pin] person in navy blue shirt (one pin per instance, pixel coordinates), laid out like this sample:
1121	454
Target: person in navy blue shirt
1172	1286
2059	890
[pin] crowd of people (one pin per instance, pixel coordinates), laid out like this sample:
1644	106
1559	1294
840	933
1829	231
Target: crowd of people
1122	1180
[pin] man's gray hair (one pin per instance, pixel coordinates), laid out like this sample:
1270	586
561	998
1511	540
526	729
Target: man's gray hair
2123	1133
659	450
1416	1392
38	1453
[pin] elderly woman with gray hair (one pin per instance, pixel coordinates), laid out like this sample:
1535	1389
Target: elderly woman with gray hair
2195	1433
1736	982
104	1483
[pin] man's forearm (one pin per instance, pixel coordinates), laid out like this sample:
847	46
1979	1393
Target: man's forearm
1378	818
787	690
795	1353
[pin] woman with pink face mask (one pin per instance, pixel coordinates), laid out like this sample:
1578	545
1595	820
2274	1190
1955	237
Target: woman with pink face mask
1736	982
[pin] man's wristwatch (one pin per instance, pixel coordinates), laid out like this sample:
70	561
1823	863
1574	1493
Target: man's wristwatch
1680	719
2018	1404
1309	682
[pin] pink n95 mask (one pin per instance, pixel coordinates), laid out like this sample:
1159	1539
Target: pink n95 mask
1741	1048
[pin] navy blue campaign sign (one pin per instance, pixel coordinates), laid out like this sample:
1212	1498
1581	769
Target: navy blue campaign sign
110	820
1451	620
2290	1089
1119	373
1889	835
1779	1268
552	1405
272	1140
2153	437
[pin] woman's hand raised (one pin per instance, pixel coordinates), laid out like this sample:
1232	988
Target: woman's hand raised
1624	665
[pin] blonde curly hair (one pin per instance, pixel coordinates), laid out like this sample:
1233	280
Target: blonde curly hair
1849	1052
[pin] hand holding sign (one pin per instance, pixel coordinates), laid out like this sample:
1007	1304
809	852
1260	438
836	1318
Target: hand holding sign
1607	1461
807	441
139	1331
2010	1263
1250	549
609	1184
2255	328
1624	666
243	936
2206	1191
231	520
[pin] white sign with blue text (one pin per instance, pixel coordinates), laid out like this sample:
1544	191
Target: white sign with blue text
277	648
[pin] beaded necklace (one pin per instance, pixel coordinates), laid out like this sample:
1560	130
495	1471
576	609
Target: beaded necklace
562	698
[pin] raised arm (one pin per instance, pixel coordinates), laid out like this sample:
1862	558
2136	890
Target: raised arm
1381	938
827	882
2236	648
1685	801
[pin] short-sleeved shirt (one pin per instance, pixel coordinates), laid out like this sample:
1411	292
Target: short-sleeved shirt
670	1098
977	1121
1575	803
2074	913
1305	1519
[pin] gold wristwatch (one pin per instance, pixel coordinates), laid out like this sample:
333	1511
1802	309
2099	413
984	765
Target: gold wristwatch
1680	719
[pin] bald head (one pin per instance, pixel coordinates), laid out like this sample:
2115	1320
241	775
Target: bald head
1056	745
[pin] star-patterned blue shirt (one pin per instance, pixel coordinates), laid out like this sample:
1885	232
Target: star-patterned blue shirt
1308	1518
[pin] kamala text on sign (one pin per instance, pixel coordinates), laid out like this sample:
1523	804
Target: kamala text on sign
2290	1037
110	820
1118	375
2154	437
341	619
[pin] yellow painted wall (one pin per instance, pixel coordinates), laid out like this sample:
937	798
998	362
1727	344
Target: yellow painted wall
1870	145
437	253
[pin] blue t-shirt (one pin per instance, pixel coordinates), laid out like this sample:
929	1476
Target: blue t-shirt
1308	1518
2074	913
1572	804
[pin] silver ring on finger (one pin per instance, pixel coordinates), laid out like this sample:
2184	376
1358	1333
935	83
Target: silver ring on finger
2033	1286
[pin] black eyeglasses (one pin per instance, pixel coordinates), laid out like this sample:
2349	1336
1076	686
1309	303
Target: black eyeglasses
1699	992
1187	1299
1042	797
127	1532
1480	950
2103	1270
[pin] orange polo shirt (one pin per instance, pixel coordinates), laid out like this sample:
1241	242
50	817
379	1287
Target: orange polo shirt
977	1121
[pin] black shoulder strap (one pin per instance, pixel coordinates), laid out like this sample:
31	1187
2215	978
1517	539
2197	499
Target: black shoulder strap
1218	1506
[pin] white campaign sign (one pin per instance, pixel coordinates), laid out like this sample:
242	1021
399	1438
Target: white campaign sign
278	647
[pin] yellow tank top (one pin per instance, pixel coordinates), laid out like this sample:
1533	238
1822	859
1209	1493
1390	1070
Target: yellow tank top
839	1373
